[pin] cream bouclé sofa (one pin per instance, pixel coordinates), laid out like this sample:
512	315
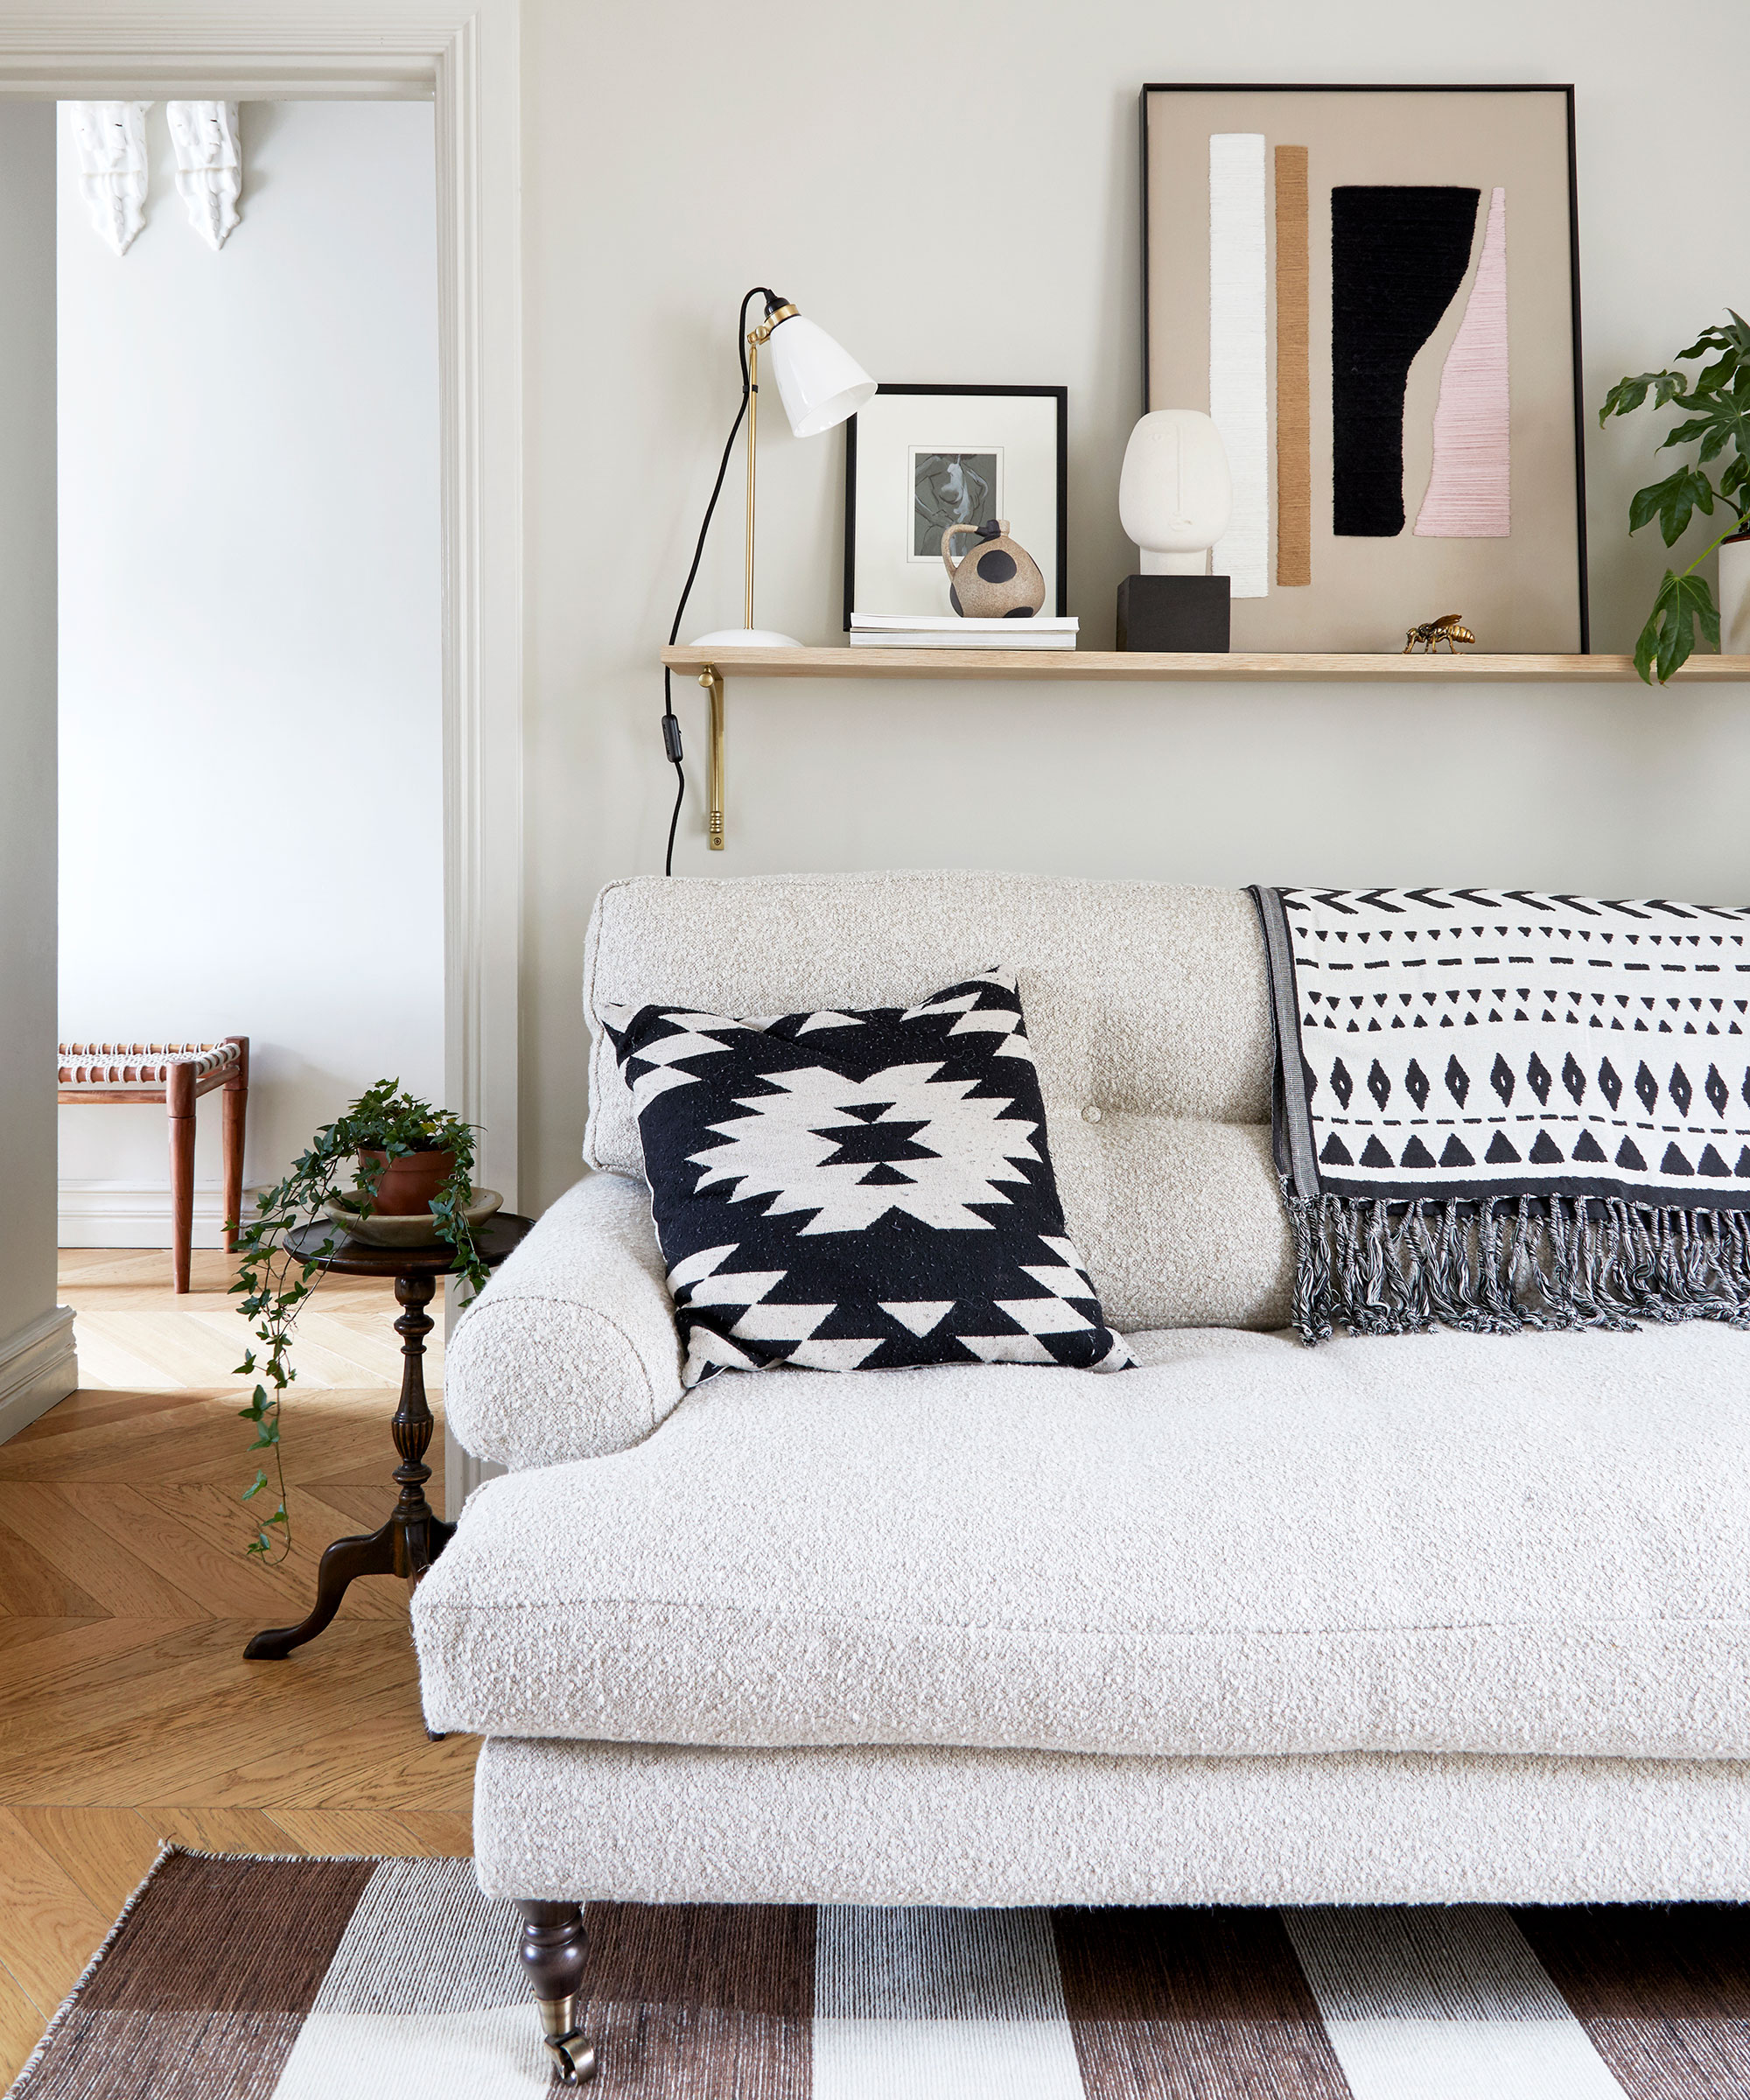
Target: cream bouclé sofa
1437	1618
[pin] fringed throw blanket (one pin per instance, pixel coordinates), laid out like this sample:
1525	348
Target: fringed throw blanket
1497	1109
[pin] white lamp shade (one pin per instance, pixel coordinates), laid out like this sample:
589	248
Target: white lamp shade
818	383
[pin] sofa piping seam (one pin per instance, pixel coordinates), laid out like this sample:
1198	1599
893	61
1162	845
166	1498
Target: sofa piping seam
973	1626
572	1305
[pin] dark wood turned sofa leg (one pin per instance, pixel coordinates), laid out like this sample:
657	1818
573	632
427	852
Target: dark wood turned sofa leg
553	1956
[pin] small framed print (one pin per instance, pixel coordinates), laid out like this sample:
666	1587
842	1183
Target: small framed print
919	460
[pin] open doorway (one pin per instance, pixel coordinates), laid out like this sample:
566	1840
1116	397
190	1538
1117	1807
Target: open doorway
250	659
459	59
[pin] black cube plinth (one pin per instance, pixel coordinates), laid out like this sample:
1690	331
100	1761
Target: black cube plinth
1167	614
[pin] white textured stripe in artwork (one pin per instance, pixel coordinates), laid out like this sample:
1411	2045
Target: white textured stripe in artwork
1443	2005
1239	371
1469	490
940	2005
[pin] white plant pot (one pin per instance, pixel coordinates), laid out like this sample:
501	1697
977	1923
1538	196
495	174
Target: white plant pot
1734	595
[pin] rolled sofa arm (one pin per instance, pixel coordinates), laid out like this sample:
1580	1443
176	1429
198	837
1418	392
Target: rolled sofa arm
572	1350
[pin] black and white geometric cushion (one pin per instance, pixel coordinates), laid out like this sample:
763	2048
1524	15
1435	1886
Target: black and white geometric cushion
863	1191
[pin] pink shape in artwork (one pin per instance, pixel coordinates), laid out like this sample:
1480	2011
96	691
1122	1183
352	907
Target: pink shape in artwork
1468	494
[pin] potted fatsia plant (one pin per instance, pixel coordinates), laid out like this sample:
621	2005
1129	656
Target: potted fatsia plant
1715	404
401	1156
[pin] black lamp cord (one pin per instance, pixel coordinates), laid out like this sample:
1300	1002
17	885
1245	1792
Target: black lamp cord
671	725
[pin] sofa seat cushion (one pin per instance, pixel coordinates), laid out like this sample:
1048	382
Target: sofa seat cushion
1537	1544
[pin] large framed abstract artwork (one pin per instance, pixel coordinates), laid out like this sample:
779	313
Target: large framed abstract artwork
1375	293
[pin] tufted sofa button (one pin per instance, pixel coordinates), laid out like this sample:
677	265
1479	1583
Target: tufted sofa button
1090	1114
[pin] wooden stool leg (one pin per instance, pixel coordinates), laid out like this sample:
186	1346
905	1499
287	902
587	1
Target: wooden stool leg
180	1099
235	1112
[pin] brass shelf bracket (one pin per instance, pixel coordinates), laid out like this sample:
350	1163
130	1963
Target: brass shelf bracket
711	679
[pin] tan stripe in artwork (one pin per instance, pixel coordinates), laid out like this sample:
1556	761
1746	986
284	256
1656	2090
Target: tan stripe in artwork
1293	376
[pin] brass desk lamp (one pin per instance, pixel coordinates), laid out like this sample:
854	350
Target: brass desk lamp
820	385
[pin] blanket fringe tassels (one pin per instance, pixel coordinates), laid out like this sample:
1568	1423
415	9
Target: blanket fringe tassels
1500	1265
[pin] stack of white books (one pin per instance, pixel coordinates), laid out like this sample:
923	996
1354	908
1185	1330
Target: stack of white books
947	631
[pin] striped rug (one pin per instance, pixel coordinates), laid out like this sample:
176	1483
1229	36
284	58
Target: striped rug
350	1979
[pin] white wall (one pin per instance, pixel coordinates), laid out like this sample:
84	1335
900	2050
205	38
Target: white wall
36	1338
251	832
679	152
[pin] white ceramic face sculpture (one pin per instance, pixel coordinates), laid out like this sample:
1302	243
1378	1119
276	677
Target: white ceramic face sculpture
1175	495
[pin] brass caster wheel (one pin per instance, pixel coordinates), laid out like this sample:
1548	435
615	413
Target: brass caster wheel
574	2060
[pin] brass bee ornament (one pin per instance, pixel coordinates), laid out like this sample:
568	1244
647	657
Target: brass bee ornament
996	580
1449	628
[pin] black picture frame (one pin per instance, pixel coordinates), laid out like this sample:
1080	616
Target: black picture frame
1060	395
1564	88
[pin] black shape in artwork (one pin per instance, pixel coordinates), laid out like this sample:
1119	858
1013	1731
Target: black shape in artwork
1378	1085
1682	1092
1545	1152
1501	1078
1588	1148
1717	1090
1573	1079
1628	1155
1416	1154
1456	1154
1398	254
1647	1087
1610	1083
1500	1153
1457	1080
1538	1073
1374	1154
1336	1154
1341	1085
1417	1081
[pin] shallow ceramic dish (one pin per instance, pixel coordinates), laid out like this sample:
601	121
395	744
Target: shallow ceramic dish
411	1231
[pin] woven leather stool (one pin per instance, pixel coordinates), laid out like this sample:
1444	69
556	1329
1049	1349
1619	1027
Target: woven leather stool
176	1073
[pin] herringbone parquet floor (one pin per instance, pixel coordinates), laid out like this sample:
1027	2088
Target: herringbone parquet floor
127	1713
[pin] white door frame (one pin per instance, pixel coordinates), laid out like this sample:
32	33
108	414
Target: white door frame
462	56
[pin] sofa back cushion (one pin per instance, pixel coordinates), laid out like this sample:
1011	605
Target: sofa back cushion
1147	1008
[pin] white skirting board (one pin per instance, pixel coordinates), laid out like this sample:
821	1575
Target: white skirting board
38	1367
130	1214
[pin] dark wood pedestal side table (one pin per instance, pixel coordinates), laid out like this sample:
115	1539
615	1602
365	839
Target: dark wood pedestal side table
414	1534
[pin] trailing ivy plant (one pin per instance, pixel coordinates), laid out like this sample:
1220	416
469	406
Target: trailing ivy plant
275	1282
1716	406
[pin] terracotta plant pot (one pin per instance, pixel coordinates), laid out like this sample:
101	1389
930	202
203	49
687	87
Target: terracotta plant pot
409	1183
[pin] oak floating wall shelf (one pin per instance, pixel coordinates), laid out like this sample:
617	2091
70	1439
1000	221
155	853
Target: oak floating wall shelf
1133	667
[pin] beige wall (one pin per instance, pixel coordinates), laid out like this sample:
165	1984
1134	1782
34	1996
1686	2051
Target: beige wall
953	192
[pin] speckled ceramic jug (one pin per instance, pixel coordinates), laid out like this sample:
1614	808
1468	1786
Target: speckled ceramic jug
998	579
